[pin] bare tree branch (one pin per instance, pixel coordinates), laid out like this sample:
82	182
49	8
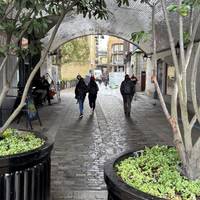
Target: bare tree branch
174	103
193	121
184	113
181	38
182	56
191	21
4	62
192	38
171	39
173	123
196	146
164	107
154	42
193	83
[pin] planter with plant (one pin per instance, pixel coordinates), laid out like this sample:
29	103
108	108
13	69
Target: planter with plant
185	177
24	165
152	173
24	158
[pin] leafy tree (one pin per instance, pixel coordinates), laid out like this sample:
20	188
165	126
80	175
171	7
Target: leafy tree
76	50
28	17
186	10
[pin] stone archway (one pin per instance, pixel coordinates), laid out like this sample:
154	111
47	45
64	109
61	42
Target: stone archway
121	23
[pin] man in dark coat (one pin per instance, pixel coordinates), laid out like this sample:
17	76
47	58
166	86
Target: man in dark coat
127	90
80	93
92	90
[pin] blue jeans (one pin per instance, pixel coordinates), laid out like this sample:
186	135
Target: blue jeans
81	101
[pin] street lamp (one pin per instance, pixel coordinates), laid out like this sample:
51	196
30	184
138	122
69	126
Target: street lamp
145	57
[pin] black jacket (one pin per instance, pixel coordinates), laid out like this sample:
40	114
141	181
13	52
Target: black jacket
81	89
93	88
127	87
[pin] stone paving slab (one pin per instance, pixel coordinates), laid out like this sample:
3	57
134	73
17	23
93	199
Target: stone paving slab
82	146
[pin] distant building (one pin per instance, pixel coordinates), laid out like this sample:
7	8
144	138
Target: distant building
116	54
73	65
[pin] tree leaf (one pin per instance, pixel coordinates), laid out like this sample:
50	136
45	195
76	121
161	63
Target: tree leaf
172	8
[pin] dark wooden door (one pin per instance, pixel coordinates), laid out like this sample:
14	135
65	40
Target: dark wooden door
143	80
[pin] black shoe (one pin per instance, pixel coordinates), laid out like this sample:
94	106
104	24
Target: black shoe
81	115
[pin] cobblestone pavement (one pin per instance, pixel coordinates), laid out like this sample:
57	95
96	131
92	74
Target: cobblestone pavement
82	146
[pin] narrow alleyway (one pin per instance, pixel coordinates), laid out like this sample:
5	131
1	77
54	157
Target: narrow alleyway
83	145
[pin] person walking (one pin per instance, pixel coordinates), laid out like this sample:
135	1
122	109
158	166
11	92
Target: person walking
92	90
80	93
134	80
127	90
46	86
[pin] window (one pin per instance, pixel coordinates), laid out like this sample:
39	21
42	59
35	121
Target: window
117	48
117	59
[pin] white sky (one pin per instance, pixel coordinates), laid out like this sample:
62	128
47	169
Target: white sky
103	43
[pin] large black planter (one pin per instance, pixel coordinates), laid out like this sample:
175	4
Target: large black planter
119	190
26	176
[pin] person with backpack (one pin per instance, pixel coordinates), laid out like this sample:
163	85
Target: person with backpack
80	94
92	90
127	90
134	80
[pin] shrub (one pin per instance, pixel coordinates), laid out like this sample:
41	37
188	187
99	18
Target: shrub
156	172
15	142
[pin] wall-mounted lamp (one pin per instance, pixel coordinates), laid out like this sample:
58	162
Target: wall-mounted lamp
145	57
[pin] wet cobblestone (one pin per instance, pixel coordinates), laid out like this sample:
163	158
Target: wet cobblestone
82	146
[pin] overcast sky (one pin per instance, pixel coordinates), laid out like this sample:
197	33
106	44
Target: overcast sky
103	43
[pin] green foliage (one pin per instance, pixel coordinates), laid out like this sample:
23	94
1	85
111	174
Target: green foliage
182	10
93	8
138	37
155	172
194	3
35	11
126	2
186	37
15	142
76	50
121	2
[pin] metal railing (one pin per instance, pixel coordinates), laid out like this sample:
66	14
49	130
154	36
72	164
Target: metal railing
67	84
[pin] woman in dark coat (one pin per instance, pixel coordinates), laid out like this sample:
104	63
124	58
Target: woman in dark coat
80	93
92	89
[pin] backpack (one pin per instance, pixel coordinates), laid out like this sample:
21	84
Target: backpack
127	87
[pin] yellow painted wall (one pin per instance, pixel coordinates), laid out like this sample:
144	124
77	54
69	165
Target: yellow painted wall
69	71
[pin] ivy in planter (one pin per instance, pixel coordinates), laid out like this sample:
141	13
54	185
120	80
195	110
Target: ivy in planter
14	142
156	172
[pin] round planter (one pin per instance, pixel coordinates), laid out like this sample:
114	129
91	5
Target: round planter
26	176
119	190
